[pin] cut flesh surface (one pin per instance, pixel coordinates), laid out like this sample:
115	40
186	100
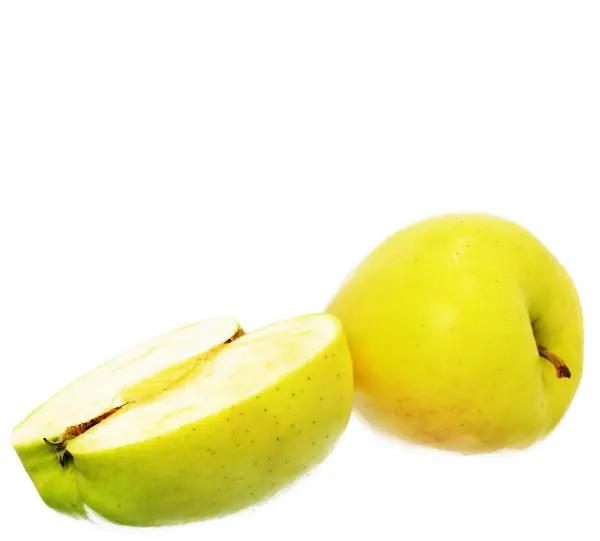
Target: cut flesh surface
177	379
101	389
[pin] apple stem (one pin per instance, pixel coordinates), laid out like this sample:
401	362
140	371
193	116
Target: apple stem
239	333
562	370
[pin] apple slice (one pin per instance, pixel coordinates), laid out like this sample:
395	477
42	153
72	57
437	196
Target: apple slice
196	423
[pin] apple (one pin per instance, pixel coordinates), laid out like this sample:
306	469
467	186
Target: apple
466	334
196	423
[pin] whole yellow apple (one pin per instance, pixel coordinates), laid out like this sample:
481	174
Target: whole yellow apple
466	334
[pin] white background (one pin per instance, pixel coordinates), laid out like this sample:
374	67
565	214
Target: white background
164	162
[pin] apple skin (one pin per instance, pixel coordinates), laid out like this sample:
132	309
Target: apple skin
443	321
212	467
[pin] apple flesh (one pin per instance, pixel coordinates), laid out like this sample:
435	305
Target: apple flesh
466	334
196	423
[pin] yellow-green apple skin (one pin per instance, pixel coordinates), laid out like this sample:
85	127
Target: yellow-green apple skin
444	320
218	462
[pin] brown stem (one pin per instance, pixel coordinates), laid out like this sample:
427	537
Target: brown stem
238	334
562	370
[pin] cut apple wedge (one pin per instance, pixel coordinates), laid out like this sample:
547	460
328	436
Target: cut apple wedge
196	423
